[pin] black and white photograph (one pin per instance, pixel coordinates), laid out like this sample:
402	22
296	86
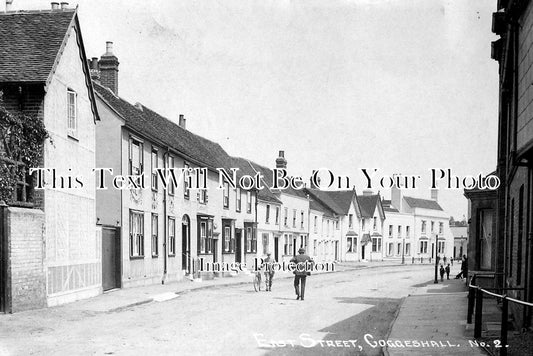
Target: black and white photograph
266	177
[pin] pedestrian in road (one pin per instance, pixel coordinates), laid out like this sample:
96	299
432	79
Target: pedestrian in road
268	263
464	267
447	269
300	273
442	273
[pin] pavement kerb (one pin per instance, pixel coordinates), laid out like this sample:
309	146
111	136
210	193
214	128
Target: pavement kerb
225	284
385	349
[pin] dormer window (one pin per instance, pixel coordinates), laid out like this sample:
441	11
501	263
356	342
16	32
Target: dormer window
72	117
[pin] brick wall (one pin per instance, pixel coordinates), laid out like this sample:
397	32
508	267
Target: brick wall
26	277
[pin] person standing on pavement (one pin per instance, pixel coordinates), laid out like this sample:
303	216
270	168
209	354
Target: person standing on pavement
442	273
447	269
300	273
269	271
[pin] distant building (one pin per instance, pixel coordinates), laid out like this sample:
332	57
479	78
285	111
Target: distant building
430	224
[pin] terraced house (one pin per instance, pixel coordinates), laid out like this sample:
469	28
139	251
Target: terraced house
154	234
50	245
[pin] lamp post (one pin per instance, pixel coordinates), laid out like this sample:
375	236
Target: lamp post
436	260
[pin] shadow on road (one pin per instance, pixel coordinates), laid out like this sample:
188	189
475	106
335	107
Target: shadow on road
375	321
446	286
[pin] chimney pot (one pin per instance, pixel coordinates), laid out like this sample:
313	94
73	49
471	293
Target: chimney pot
55	5
109	48
281	162
64	5
182	122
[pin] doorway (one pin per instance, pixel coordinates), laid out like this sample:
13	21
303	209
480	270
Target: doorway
186	244
238	245
110	258
276	248
363	252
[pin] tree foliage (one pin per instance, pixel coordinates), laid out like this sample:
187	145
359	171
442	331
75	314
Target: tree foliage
21	140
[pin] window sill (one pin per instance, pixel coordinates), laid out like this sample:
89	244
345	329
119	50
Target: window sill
154	190
136	257
227	252
226	207
205	253
172	255
155	256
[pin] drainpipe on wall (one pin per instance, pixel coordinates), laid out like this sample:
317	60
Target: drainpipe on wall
165	159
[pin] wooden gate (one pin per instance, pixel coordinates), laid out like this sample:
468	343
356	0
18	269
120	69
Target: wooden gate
111	258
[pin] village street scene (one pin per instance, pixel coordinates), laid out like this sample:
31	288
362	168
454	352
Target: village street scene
344	177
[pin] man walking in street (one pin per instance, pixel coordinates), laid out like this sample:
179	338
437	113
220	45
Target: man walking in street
301	272
269	271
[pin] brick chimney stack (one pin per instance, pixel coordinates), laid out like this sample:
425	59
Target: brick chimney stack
108	66
281	162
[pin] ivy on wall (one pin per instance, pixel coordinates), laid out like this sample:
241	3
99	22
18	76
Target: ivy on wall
21	140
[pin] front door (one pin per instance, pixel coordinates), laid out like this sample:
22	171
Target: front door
238	245
185	248
363	252
276	244
110	258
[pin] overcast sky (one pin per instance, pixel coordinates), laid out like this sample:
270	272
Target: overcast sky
403	86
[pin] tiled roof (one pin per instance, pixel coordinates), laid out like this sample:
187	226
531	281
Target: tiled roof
317	205
199	150
267	173
422	203
338	201
30	43
245	167
368	204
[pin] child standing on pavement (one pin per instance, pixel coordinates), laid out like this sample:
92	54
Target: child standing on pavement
442	273
447	269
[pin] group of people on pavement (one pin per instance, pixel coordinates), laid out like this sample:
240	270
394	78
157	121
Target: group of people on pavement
446	270
300	274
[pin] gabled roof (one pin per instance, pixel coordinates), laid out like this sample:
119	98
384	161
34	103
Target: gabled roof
338	201
317	205
150	124
369	204
31	44
422	203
